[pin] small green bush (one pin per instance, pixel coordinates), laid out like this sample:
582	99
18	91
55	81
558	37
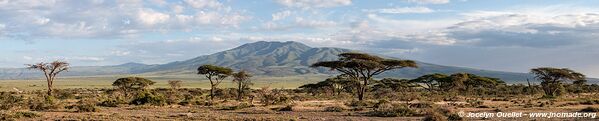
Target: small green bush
146	97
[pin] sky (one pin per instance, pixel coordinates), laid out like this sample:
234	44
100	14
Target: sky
503	35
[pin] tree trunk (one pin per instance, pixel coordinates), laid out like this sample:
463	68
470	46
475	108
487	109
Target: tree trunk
212	93
49	87
239	91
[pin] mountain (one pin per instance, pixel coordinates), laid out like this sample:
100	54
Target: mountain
261	58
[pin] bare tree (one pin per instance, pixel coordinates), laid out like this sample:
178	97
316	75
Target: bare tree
51	70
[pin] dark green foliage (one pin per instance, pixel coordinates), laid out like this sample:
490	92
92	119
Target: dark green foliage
147	97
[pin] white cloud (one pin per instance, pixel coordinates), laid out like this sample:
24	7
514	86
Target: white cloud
150	17
85	58
403	10
306	4
42	21
429	1
280	15
199	4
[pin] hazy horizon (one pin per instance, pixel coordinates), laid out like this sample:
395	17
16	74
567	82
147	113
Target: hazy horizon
502	35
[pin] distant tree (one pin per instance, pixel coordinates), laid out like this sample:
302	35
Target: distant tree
336	85
175	84
552	78
242	78
51	70
397	85
132	84
215	74
363	67
431	81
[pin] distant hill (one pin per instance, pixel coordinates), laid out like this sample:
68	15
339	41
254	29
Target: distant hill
262	58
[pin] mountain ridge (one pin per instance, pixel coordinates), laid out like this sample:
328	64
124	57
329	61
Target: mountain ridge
263	58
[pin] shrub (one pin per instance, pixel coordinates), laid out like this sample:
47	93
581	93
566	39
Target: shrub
454	117
435	117
590	109
8	101
421	105
147	97
26	114
392	112
356	103
286	108
43	103
109	103
86	108
334	109
237	107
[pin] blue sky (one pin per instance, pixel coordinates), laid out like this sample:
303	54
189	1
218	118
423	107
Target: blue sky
505	35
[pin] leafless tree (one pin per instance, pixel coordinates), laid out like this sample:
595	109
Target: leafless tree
51	70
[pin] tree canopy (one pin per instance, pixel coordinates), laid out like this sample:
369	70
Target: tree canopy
552	78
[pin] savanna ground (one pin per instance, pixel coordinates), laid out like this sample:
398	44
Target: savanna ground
93	98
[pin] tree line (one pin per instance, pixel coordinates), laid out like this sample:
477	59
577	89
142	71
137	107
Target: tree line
357	76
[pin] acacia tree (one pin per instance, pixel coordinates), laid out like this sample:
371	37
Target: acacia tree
215	74
552	78
175	84
130	84
51	70
242	78
431	81
363	67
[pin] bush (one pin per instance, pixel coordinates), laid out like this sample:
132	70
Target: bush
334	109
356	103
286	108
8	101
392	112
237	107
590	109
43	103
435	117
109	103
146	97
454	117
26	114
86	108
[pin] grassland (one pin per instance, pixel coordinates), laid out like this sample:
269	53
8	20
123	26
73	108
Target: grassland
189	81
